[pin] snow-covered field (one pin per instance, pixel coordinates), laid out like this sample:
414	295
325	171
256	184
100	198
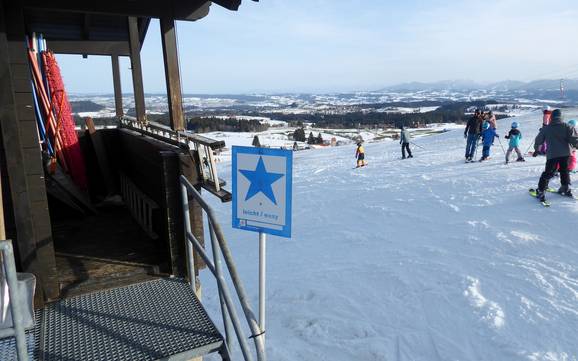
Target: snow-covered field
420	259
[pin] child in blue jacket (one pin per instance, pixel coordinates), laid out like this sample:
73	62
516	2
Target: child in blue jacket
515	136
488	135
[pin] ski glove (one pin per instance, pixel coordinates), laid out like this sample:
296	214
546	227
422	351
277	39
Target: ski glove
465	136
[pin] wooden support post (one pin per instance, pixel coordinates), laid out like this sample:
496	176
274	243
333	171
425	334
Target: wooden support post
137	81
117	86
101	156
33	232
172	74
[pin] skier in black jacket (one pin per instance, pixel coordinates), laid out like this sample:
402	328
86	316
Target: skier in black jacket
560	137
472	134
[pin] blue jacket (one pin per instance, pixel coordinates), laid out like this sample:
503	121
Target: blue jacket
515	136
488	136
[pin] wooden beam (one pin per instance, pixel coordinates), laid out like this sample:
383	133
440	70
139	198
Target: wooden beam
172	74
101	156
33	238
137	81
120	48
175	9
117	86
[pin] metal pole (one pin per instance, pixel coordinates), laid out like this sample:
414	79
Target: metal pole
15	302
219	274
190	259
262	269
501	146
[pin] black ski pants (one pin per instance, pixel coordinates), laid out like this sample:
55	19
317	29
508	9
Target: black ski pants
550	171
405	146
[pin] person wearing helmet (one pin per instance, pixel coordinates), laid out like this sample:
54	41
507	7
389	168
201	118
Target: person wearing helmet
515	136
360	154
561	137
488	135
405	138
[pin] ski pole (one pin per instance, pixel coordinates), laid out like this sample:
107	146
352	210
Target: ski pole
419	146
501	146
477	146
530	146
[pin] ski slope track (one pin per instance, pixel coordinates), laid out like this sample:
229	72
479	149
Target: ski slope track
419	259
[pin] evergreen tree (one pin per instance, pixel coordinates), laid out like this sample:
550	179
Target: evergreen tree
319	139
299	135
311	139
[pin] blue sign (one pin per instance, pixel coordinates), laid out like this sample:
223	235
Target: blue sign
262	183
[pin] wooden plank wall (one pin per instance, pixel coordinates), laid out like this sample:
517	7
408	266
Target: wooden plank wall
33	236
155	168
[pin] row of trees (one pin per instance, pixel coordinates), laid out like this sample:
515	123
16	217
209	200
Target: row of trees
299	136
203	125
448	112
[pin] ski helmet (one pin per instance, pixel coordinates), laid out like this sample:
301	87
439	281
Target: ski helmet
486	125
572	122
515	125
547	107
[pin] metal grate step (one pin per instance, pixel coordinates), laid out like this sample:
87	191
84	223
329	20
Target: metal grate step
155	320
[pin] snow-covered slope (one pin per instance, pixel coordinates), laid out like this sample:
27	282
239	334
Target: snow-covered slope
420	259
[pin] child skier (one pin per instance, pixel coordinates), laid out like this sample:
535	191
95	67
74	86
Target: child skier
561	137
360	155
488	135
515	136
405	138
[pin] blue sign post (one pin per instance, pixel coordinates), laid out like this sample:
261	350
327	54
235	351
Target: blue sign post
262	184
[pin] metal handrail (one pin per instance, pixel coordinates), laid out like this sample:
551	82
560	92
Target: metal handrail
219	243
16	311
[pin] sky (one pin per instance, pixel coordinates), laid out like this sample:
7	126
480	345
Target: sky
349	45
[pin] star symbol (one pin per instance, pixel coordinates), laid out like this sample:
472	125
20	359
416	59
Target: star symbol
261	181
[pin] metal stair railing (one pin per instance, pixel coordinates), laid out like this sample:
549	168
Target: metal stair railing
220	246
17	329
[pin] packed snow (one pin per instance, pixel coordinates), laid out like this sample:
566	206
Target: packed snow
420	259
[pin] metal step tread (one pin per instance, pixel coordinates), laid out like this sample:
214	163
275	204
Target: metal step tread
154	320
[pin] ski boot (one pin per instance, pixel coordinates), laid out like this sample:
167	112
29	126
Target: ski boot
565	191
540	195
521	159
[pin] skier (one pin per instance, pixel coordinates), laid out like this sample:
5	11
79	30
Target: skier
492	119
360	155
472	134
561	137
405	138
572	161
488	135
515	136
547	114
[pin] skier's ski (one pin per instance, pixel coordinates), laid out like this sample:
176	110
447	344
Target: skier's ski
553	190
534	194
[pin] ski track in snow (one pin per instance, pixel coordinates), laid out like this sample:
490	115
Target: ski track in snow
420	259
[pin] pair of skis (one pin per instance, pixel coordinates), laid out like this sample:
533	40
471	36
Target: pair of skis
534	193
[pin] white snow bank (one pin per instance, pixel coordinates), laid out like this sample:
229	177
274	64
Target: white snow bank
420	259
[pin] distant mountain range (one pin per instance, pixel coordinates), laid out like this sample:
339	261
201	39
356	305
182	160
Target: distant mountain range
507	85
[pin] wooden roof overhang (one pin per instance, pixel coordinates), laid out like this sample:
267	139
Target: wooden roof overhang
101	27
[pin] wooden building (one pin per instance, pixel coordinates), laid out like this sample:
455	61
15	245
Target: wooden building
79	249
